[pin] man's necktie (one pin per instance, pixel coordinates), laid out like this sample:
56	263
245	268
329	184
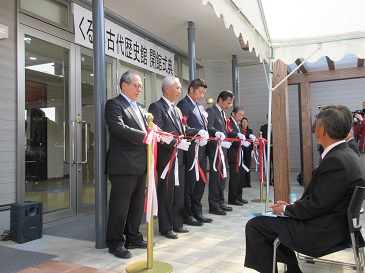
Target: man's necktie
224	117
200	117
138	113
174	116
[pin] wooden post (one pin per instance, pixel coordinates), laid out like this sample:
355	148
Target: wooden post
280	133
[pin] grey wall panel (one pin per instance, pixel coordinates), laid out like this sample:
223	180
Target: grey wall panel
8	127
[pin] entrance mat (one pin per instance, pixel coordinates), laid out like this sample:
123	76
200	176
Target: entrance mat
77	228
14	260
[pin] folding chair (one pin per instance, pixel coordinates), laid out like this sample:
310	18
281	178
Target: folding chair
357	241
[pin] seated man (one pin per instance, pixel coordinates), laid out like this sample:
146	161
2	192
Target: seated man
318	221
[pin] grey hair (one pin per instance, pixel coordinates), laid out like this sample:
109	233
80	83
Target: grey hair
336	120
127	77
167	81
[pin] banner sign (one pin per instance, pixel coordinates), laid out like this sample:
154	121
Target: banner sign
122	44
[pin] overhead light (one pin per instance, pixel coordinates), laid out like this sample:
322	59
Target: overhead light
4	32
210	100
92	75
32	58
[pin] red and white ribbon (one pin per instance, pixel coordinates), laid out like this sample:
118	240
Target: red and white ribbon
196	162
151	196
221	160
169	165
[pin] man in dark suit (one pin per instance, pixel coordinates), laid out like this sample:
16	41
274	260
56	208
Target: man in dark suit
247	154
217	177
170	186
263	129
126	167
317	221
351	141
194	182
234	130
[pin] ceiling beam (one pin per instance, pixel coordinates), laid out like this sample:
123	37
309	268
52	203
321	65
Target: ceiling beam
304	68
360	62
330	63
328	75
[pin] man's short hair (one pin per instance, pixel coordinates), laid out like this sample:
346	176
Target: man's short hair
224	95
236	109
196	83
336	119
127	77
167	81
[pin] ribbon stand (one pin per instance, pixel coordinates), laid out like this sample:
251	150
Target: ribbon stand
150	265
261	170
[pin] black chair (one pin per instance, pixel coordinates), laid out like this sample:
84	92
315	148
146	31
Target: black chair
357	241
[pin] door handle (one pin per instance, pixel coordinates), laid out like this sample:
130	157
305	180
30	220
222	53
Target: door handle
86	144
72	141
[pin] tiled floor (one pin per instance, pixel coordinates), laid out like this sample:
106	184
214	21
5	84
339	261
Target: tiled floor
218	247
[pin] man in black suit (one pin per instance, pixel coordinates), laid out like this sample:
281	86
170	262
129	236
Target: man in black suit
351	141
126	167
318	220
217	177
247	154
194	113
234	130
170	186
263	129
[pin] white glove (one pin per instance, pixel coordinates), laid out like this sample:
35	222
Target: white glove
251	136
166	139
184	145
226	144
220	135
246	143
204	134
202	142
252	153
241	136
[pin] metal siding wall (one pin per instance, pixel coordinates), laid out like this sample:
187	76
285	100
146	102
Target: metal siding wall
8	77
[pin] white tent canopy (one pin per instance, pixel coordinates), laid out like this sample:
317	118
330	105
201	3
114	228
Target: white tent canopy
292	29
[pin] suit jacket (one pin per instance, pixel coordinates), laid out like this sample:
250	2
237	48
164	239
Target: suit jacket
247	150
232	151
216	123
321	210
127	152
354	146
192	115
163	118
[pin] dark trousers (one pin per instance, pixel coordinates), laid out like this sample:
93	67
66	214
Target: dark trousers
194	190
260	235
126	203
246	176
217	185
235	188
170	200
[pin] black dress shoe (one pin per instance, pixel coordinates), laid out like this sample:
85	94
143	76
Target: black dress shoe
244	186
243	201
203	219
120	252
170	234
249	186
225	208
191	221
217	211
142	244
181	230
236	203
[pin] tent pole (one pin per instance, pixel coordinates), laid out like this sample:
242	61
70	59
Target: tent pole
268	167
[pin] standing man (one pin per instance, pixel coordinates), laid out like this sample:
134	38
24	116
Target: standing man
170	186
217	128
234	130
126	164
360	131
193	112
318	220
247	155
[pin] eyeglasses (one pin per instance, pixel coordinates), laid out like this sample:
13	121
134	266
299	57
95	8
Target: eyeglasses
136	85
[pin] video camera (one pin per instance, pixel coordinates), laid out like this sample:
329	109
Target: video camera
360	112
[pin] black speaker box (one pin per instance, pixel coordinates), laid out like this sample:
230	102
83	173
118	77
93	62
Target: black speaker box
26	221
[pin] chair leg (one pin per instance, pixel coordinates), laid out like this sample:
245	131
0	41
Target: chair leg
357	255
276	244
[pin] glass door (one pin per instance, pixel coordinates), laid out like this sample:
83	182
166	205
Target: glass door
59	125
